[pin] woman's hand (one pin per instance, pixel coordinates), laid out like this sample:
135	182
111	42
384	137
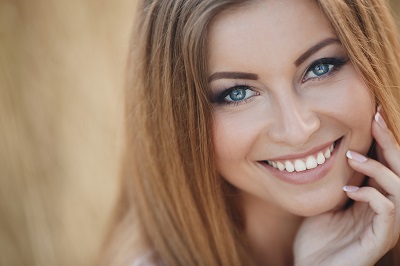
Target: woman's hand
367	230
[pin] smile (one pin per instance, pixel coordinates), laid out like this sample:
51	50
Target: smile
302	164
304	168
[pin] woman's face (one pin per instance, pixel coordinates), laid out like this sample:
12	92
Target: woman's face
284	92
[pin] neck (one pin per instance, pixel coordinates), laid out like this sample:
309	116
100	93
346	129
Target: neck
270	231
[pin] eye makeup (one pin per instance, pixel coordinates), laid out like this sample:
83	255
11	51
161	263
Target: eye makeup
242	92
234	95
331	64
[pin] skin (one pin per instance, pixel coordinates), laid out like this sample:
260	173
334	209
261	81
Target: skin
288	111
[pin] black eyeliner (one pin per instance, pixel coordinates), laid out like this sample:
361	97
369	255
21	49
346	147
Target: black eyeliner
220	97
336	61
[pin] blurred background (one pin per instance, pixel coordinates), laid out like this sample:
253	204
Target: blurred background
61	123
61	79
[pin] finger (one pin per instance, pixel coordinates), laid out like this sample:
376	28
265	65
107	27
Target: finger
385	178
387	144
383	228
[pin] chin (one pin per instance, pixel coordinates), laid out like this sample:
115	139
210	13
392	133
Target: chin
319	205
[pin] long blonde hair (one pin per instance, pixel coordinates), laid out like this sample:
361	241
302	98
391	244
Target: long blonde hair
170	189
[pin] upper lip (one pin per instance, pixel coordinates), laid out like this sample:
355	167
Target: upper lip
302	154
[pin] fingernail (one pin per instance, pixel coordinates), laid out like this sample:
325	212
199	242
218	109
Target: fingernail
350	188
356	156
380	120
379	108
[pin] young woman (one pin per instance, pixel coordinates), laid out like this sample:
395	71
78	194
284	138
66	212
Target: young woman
261	132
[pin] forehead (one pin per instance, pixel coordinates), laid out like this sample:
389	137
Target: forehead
273	30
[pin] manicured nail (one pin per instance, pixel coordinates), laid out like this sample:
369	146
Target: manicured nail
350	188
356	156
380	120
379	108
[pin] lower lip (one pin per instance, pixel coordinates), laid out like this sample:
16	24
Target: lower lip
307	176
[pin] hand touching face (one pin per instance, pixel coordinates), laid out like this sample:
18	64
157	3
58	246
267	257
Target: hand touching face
363	233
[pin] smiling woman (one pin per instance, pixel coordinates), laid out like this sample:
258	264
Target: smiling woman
261	133
295	110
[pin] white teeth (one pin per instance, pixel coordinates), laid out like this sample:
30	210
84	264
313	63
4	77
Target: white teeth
327	154
332	147
281	166
289	166
320	158
299	165
311	162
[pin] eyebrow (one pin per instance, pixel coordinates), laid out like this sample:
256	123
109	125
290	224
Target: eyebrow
252	76
233	75
315	49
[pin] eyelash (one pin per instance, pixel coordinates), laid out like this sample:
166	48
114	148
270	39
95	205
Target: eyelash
336	64
221	97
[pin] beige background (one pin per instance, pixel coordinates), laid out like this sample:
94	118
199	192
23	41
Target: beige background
61	76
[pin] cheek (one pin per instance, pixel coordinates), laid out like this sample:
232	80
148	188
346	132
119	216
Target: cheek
348	100
234	135
359	105
234	139
356	109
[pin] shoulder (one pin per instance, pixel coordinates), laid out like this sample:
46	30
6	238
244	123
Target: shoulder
147	259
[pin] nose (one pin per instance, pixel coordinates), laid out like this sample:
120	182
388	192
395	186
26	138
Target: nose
294	122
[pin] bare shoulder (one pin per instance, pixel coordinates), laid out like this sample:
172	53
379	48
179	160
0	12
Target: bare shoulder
147	259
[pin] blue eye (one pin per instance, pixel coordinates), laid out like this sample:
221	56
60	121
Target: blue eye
319	70
324	67
238	94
